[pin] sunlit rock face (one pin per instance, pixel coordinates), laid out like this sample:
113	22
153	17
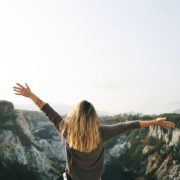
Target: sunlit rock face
169	168
159	133
30	139
162	161
118	148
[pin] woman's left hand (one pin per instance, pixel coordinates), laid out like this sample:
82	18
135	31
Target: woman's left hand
22	90
165	124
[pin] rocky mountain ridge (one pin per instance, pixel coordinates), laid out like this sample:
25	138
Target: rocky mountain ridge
148	153
20	142
30	139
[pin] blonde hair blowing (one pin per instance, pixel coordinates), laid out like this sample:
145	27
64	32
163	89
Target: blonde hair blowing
81	127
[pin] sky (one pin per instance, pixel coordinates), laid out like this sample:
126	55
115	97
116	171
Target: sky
119	55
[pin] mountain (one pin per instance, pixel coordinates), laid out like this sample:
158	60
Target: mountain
60	108
27	138
177	111
151	153
31	148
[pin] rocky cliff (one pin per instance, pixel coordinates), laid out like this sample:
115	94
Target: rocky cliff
31	147
28	138
148	153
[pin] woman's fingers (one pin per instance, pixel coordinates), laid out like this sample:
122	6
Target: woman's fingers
20	85
171	124
27	86
168	125
18	93
165	126
24	91
22	88
16	88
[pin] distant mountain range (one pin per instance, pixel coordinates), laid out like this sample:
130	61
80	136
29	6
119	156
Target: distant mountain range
64	109
177	111
60	108
31	147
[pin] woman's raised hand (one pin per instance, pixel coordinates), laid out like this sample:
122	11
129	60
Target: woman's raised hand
165	124
24	91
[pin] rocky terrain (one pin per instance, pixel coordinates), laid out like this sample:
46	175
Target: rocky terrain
148	153
28	138
30	147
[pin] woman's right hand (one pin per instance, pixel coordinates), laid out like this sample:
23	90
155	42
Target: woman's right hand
165	124
22	90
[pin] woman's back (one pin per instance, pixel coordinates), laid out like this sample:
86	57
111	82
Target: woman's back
83	165
88	165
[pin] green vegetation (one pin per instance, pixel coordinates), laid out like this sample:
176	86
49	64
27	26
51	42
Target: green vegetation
134	158
111	142
118	118
16	171
6	106
45	133
34	114
114	174
16	129
8	122
6	111
175	118
125	117
7	116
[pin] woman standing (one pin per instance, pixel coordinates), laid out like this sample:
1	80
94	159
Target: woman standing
84	135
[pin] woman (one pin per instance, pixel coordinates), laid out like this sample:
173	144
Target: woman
85	136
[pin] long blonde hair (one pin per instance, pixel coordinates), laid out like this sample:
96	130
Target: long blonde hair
81	127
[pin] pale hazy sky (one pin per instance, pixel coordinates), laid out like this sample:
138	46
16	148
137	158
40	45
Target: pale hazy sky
120	55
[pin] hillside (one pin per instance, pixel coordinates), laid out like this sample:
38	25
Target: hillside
148	153
28	139
30	147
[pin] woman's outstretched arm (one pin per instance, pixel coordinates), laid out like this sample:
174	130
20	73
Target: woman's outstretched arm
37	101
52	115
109	131
159	122
28	93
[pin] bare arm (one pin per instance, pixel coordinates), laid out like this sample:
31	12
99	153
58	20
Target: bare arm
37	101
109	131
28	93
159	122
53	116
